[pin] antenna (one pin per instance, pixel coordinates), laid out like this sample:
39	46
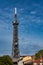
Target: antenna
15	10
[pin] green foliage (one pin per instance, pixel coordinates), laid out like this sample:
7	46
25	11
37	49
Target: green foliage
39	54
1	63
6	60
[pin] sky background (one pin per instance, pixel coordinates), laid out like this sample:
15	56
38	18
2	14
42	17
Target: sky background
30	19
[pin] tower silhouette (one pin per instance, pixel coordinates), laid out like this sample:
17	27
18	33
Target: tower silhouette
15	51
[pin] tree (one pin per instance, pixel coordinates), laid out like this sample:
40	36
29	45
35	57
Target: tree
1	63
39	54
6	60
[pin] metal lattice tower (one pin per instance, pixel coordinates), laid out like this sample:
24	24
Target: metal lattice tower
15	51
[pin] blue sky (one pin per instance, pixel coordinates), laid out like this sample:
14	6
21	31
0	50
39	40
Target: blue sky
30	18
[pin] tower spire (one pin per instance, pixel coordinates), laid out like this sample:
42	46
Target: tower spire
15	16
15	10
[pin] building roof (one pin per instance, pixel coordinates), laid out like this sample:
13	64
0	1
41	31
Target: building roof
27	58
38	61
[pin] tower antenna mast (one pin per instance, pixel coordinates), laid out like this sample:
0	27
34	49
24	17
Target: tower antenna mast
15	10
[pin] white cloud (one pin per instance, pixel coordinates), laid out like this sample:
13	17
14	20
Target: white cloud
33	12
21	10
